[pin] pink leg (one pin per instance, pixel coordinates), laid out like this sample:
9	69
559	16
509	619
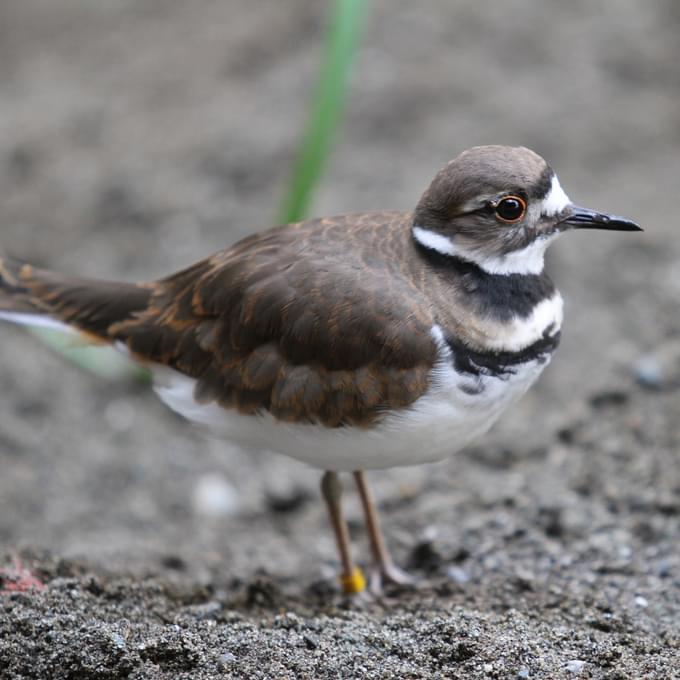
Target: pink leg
384	568
351	579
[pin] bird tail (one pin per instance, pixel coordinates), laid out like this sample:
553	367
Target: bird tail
39	297
16	303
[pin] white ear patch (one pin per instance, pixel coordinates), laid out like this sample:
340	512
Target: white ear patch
556	200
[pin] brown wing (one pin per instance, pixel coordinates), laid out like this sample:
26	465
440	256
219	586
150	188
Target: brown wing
311	322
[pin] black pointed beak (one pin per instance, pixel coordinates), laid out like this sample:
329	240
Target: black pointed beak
583	218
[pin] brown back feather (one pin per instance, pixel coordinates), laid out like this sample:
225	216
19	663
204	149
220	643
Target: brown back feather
300	321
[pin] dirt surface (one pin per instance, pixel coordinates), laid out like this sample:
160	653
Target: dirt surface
136	137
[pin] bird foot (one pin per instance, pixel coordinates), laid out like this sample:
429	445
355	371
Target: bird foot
355	587
389	573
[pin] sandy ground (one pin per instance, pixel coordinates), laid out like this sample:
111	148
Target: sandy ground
136	137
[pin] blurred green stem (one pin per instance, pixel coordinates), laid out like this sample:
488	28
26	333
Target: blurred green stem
327	107
101	360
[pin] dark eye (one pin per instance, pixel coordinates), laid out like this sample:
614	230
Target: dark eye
511	208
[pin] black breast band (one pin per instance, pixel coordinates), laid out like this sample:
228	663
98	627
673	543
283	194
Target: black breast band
502	364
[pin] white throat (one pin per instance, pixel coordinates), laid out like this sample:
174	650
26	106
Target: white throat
528	260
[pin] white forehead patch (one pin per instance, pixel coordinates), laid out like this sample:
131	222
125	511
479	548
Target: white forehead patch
556	200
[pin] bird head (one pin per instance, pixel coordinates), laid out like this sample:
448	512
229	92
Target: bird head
500	207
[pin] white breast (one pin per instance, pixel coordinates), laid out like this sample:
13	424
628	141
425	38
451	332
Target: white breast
456	409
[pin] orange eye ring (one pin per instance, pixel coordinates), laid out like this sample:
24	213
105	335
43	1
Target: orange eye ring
511	209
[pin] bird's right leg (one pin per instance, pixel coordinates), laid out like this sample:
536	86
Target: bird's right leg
352	578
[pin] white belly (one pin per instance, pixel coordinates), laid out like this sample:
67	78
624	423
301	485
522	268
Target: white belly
435	426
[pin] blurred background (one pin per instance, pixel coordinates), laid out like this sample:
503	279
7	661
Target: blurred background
137	137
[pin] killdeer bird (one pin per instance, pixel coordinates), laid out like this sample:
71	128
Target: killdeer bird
350	343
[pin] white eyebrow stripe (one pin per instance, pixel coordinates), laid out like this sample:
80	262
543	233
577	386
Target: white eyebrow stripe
556	200
434	241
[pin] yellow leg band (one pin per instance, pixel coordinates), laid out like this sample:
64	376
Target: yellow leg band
354	582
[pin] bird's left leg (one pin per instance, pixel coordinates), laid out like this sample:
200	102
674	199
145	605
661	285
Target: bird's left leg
384	568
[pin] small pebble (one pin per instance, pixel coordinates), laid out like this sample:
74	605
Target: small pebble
648	372
311	641
523	672
214	496
525	579
425	555
575	666
118	641
609	399
208	610
664	569
641	601
227	658
287	501
458	575
625	551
